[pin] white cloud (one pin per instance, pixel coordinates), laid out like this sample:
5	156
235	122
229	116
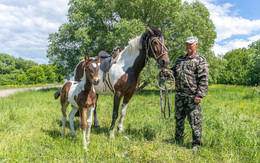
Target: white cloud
234	44
26	24
230	45
254	38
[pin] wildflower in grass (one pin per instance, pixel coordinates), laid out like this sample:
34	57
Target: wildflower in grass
242	106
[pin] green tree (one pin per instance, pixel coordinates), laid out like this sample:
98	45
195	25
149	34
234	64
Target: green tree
236	71
7	63
254	64
22	78
24	64
101	25
50	74
36	75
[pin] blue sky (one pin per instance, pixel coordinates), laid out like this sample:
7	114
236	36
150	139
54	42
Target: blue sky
248	9
25	25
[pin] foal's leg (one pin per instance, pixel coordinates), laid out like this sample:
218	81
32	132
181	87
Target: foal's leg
123	112
71	118
64	116
89	121
82	112
96	124
117	99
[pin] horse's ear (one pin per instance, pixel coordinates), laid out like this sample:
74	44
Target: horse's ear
159	29
149	30
86	58
98	58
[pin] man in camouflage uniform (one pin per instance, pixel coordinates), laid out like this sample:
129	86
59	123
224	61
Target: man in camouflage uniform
191	77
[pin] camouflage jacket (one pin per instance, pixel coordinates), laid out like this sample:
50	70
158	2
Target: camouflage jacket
191	75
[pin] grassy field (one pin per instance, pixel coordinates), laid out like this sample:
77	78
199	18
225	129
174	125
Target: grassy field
30	130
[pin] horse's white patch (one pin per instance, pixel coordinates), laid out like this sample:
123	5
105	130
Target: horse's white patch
125	61
75	89
94	65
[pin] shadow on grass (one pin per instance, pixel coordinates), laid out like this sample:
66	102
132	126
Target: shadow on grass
56	133
99	130
187	145
147	132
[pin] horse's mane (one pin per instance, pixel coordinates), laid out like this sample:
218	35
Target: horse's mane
138	42
135	43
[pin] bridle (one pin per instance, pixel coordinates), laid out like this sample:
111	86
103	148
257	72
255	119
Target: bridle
148	46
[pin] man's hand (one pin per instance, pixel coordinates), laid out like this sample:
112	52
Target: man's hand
197	100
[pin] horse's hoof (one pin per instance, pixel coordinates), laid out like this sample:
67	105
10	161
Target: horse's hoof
96	125
120	131
111	135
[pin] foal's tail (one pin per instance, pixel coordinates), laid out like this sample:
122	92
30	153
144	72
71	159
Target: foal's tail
57	94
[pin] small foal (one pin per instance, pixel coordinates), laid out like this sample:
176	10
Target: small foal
82	97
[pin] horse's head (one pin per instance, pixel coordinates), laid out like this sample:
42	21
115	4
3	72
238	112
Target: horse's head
91	69
155	46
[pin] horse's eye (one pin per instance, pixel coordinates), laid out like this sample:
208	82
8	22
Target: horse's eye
89	70
155	43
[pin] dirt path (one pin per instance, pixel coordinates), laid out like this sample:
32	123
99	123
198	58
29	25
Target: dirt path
7	92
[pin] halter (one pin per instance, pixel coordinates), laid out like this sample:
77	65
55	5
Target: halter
149	45
163	47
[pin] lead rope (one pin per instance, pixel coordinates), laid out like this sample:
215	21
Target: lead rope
167	100
162	77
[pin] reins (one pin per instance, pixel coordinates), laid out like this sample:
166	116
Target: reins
162	77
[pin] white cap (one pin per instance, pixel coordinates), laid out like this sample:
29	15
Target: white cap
191	40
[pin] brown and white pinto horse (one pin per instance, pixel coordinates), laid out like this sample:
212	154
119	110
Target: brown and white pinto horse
82	97
123	76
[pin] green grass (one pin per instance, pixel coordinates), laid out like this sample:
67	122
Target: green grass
30	130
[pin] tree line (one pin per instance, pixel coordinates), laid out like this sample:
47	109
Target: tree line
14	71
240	66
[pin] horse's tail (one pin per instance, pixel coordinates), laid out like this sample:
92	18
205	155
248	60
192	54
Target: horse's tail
57	94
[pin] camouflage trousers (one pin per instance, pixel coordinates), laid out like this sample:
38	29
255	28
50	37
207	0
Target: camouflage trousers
185	106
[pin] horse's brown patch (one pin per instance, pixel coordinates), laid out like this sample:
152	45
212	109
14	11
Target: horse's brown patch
64	92
79	71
